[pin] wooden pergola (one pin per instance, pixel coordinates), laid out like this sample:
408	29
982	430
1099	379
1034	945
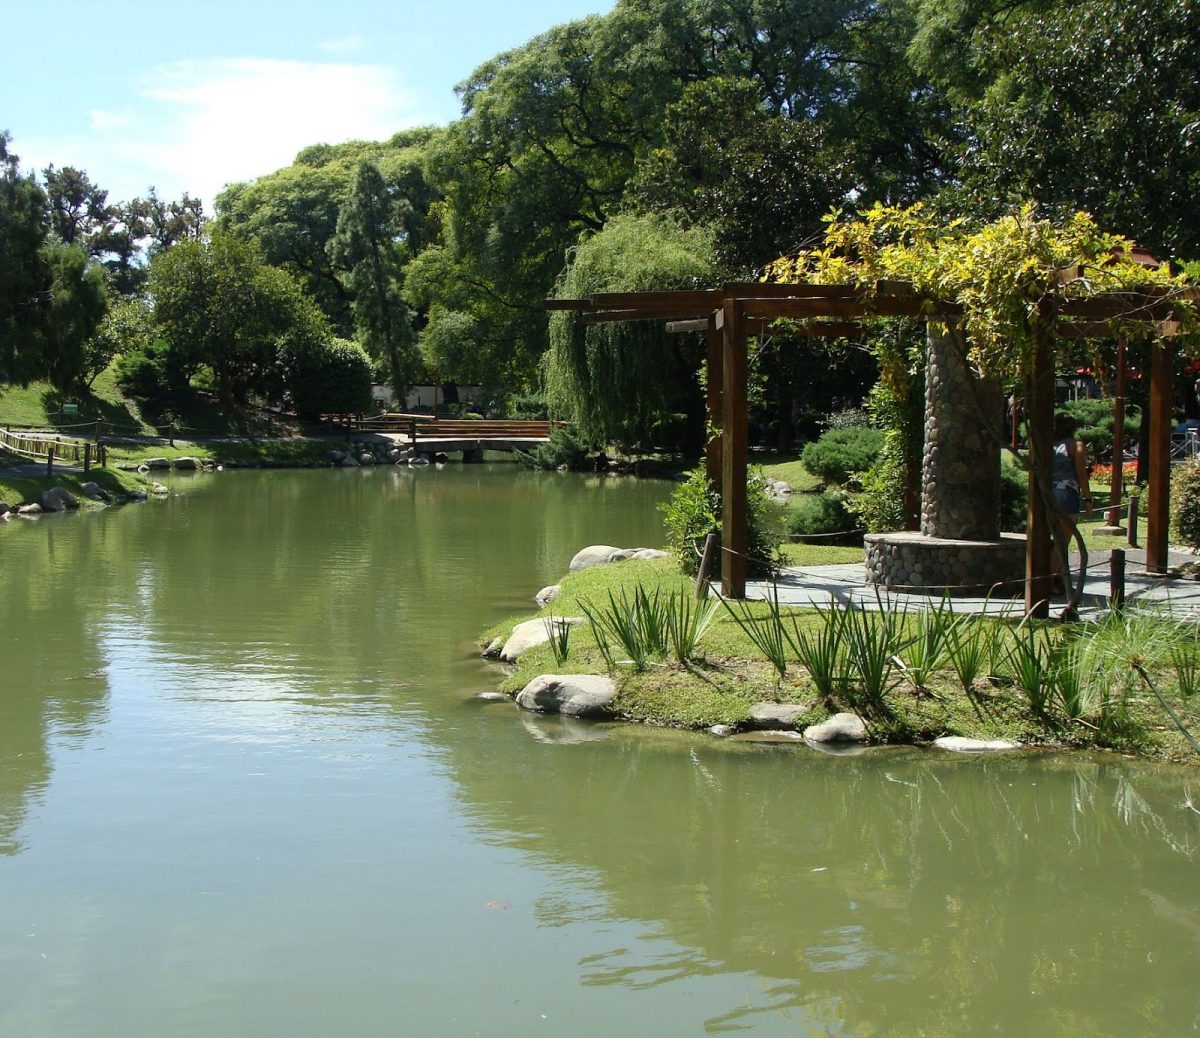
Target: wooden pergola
739	311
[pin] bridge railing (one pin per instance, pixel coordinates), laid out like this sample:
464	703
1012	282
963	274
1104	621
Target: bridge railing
458	428
51	449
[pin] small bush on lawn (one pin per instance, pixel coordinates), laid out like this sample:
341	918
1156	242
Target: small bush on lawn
840	453
694	512
820	515
1185	503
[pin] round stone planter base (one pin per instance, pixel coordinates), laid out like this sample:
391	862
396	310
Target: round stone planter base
1110	531
912	563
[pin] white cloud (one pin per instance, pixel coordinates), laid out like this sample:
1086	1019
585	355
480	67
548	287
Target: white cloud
197	125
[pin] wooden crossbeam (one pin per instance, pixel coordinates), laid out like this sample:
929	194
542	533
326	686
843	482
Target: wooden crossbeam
644	314
576	305
698	300
781	290
684	327
1131	306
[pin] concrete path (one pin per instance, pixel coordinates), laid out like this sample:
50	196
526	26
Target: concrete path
817	585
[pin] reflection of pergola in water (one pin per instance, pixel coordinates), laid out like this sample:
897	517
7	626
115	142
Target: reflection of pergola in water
960	481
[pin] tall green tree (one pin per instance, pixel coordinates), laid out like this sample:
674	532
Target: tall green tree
1088	104
371	244
76	304
24	282
218	305
79	210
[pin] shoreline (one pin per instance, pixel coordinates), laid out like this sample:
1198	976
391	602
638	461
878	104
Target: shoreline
729	688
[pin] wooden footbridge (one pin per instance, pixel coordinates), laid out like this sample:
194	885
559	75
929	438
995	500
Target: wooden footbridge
430	434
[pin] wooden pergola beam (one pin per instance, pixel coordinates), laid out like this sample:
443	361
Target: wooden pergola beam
655	313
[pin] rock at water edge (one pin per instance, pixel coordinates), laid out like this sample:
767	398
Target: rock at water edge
547	594
776	716
961	744
576	695
843	727
532	632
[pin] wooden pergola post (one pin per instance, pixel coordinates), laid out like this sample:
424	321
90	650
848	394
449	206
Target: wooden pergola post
734	421
1039	424
1117	489
1158	504
714	394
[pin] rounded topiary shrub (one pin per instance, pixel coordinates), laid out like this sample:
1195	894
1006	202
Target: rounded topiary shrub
694	512
1185	503
822	517
840	453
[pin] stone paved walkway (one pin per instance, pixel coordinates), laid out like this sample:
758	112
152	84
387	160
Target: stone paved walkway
816	585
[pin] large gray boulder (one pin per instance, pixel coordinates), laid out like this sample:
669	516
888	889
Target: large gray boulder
776	716
576	695
95	491
843	727
597	554
533	632
157	463
187	464
56	499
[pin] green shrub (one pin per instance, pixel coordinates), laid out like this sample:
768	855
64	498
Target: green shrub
526	408
1095	428
694	512
565	447
823	514
332	377
147	374
1185	503
840	453
1014	495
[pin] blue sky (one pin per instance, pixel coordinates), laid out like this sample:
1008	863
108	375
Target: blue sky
193	96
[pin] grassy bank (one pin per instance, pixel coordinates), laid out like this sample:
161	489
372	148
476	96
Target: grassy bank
1051	685
17	489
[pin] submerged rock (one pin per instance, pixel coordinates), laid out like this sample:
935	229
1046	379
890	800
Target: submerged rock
30	509
576	695
722	731
843	727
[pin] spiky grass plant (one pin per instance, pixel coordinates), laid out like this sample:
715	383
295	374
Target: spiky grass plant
766	632
927	648
559	633
687	620
821	650
871	646
968	651
1029	659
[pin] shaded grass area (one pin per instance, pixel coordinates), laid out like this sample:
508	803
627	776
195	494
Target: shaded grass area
1015	694
16	489
292	451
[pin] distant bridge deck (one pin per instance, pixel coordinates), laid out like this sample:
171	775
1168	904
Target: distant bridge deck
445	435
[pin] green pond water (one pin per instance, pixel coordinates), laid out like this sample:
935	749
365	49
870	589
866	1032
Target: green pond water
245	790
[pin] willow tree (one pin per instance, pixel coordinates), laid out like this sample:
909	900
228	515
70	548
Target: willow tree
630	382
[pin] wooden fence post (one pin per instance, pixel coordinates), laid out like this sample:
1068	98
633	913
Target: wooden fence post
1116	578
703	574
1131	522
49	462
87	458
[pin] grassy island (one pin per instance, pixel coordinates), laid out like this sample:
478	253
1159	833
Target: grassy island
1109	684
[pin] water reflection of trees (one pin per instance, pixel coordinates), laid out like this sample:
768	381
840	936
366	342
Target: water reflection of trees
54	679
895	893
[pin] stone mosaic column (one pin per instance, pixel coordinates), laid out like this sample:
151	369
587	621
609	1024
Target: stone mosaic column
960	498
